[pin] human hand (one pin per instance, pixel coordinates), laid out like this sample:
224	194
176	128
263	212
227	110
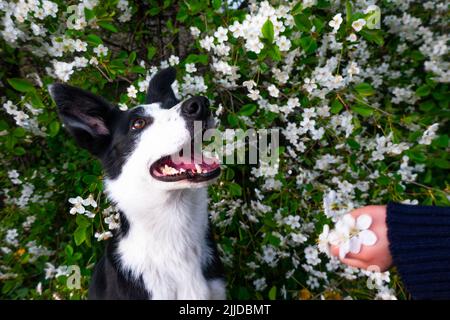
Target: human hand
370	257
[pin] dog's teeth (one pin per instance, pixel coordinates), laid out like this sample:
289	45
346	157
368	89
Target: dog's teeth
205	171
169	170
198	168
182	170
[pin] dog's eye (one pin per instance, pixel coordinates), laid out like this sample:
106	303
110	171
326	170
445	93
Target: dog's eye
138	124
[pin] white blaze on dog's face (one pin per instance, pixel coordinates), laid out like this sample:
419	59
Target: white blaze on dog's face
137	147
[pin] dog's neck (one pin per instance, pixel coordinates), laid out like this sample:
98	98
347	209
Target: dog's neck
166	241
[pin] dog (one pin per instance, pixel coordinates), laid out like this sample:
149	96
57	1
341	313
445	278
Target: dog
164	248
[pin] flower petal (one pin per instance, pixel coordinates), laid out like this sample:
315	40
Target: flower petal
363	222
343	250
368	237
348	220
334	238
355	245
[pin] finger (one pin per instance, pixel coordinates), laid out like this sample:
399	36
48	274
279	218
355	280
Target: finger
354	263
334	250
370	210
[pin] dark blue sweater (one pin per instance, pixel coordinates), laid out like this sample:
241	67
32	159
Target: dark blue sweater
419	238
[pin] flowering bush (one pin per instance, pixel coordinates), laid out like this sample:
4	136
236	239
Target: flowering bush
358	89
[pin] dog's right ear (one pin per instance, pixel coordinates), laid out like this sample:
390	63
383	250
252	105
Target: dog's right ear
160	88
86	116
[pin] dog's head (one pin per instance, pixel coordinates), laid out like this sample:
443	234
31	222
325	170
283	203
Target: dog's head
141	148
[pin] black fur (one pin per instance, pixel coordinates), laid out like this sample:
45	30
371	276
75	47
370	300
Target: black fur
160	90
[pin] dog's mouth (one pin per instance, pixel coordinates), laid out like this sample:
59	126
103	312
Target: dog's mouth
179	167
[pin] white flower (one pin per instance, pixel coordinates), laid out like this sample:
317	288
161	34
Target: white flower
260	284
336	22
312	255
273	91
174	60
298	237
221	34
429	134
323	242
350	234
190	67
103	236
93	61
132	92
358	24
77	205
195	32
309	85
283	43
63	70
352	37
80	45
207	43
254	94
11	237
101	50
123	107
292	221
353	69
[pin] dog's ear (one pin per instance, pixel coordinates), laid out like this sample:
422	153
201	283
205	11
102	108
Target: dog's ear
160	90
86	116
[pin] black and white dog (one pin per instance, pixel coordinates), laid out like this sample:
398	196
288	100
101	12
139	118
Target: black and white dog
164	248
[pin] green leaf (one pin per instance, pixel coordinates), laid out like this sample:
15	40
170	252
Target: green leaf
107	26
309	44
229	175
267	31
423	91
348	12
19	151
21	85
54	128
151	51
336	106
273	293
79	235
197	58
94	39
68	250
36	100
233	120
274	53
302	22
89	14
132	57
363	110
374	36
427	106
353	144
364	89
247	110
216	4
235	189
441	163
19	132
297	9
82	221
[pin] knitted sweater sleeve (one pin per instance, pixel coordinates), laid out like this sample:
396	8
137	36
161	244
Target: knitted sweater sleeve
419	238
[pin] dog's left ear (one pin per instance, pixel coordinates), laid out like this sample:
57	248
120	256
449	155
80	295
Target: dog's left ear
87	117
160	89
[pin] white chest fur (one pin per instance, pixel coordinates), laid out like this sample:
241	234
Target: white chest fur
166	247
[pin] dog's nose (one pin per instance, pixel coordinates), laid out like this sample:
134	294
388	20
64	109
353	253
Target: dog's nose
196	108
